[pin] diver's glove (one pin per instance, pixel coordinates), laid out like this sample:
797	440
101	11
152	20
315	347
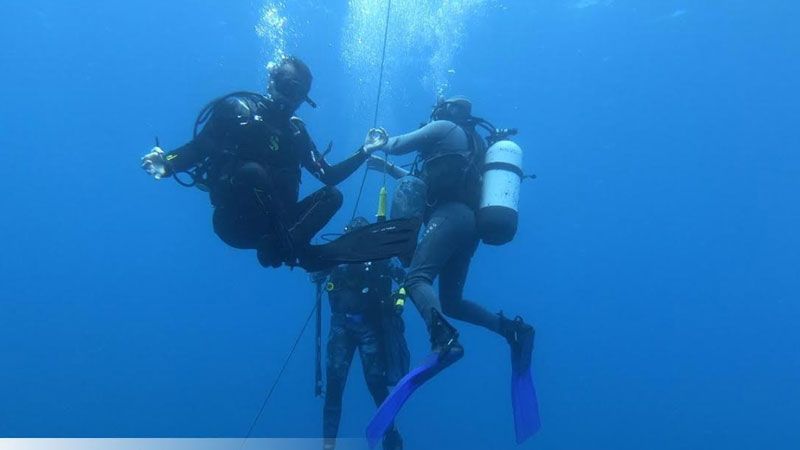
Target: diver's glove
155	164
376	139
399	300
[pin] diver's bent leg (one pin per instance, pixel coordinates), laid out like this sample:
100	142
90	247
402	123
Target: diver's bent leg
240	219
233	228
313	213
450	239
423	295
433	252
451	292
453	275
248	213
340	354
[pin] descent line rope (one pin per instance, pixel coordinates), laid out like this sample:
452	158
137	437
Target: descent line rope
278	378
377	106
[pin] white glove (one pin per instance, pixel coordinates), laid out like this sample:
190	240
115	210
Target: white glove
375	140
154	163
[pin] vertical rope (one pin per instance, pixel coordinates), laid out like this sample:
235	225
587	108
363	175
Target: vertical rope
377	105
383	63
380	80
278	378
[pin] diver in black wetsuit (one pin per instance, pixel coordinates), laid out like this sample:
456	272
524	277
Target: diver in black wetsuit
364	315
448	148
248	156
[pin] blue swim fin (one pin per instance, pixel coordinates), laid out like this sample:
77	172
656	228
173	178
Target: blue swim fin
384	417
525	404
386	413
445	340
523	393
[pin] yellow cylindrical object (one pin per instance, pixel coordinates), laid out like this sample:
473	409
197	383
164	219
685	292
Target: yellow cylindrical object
382	195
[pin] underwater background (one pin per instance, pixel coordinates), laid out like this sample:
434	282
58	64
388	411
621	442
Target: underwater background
658	253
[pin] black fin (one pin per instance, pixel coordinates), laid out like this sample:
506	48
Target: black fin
374	242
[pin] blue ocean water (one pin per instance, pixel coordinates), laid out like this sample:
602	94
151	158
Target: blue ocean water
658	255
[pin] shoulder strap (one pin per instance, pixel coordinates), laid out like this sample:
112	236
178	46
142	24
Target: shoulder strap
476	147
298	126
208	111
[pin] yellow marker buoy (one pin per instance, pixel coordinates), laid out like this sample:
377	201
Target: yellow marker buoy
382	195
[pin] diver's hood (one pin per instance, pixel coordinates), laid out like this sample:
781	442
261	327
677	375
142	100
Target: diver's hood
456	109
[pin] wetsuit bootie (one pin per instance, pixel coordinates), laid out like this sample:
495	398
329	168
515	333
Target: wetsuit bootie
523	393
519	336
444	339
392	440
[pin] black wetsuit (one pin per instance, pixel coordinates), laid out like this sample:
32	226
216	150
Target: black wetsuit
360	301
253	152
451	236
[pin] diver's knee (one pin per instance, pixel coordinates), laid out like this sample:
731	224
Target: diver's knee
337	372
450	310
415	280
230	231
333	195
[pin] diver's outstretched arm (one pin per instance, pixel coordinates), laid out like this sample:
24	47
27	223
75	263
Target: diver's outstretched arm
220	128
381	165
161	165
333	174
423	139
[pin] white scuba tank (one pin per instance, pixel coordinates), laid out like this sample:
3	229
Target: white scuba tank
502	176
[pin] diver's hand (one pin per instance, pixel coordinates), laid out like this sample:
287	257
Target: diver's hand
376	139
155	164
377	163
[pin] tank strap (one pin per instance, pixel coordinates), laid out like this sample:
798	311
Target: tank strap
507	167
415	166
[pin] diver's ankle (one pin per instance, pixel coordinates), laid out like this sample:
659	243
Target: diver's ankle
515	330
